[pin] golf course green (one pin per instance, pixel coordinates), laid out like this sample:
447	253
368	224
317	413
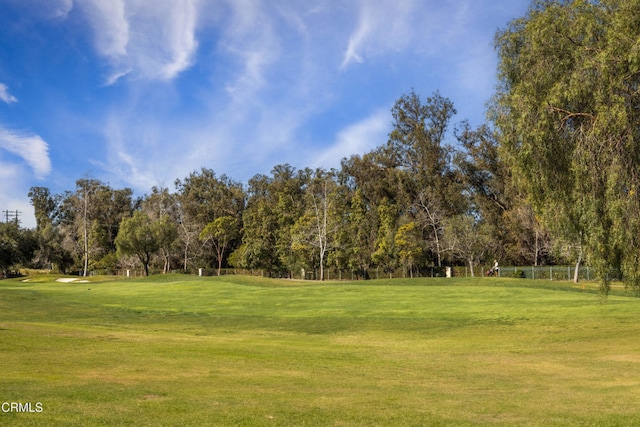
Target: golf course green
234	350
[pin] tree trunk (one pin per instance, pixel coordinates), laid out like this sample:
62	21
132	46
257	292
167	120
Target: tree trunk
86	238
186	252
536	250
145	259
576	272
435	233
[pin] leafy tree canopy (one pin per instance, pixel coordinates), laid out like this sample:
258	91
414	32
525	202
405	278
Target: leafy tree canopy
568	110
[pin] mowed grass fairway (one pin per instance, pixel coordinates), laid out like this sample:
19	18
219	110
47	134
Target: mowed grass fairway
190	351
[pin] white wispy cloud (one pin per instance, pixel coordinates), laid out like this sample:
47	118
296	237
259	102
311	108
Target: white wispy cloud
149	39
132	161
424	27
59	8
33	149
111	29
5	96
50	9
162	39
357	138
381	27
357	39
249	38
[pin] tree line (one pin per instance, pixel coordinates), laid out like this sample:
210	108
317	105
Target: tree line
418	201
551	177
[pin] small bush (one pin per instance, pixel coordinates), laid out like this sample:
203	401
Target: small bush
518	274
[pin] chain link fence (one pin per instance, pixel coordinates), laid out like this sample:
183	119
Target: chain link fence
524	272
538	272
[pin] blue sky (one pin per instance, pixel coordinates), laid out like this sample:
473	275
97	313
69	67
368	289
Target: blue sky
139	93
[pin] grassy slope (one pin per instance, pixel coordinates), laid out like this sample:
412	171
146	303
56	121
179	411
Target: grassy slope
176	350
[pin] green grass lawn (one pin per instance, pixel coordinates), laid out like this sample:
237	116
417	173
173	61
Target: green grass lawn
189	351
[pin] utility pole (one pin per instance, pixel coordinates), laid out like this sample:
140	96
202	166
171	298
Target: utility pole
15	214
